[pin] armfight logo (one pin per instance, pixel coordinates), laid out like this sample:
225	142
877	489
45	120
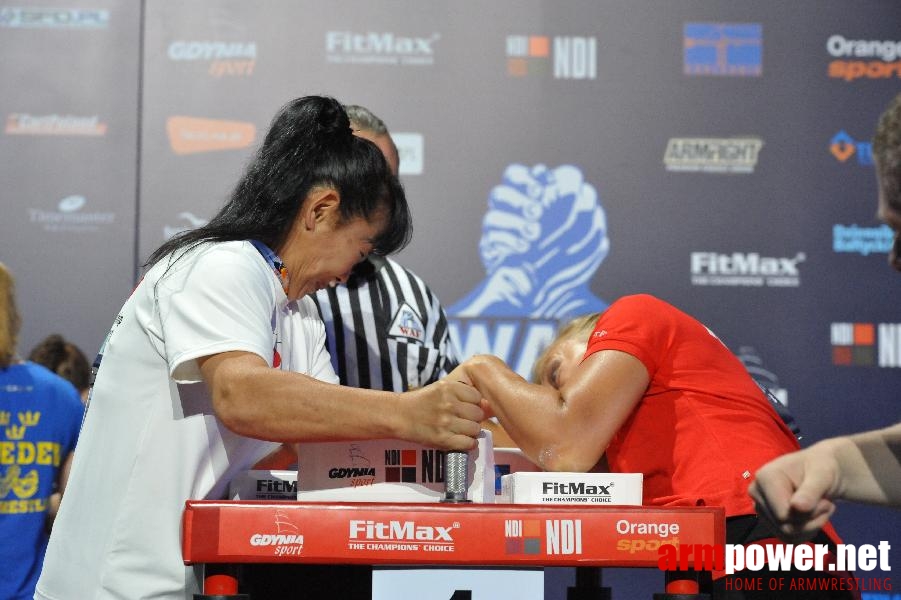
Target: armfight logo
544	236
866	344
712	155
745	269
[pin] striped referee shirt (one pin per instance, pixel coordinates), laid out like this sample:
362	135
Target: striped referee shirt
385	329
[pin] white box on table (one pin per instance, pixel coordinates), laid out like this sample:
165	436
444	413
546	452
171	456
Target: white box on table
387	471
590	489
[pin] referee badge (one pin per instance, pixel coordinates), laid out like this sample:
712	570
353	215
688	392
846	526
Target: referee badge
407	324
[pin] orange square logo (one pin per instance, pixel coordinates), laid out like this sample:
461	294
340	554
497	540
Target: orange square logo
539	46
864	334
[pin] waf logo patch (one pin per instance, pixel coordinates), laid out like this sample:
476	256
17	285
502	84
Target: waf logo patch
407	324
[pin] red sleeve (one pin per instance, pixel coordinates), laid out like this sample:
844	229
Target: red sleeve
633	324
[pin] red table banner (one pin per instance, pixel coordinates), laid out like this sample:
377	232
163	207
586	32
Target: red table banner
433	534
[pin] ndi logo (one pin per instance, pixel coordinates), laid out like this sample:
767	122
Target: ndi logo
570	57
731	49
866	344
522	536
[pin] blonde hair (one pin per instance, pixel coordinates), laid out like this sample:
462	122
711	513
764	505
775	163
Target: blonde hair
578	328
10	322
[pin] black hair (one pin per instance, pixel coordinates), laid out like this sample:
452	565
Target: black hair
309	144
63	358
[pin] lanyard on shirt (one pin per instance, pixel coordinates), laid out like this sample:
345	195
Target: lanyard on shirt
281	271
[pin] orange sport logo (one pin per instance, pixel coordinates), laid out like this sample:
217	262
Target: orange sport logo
863	59
192	135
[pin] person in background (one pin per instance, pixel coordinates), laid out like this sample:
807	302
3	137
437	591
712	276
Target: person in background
218	356
797	492
651	390
40	414
66	360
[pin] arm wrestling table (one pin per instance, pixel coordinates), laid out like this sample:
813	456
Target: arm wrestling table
585	537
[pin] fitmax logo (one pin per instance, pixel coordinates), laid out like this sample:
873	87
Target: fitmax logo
399	530
379	48
745	269
574	488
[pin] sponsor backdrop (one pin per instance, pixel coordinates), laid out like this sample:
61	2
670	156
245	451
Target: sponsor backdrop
557	156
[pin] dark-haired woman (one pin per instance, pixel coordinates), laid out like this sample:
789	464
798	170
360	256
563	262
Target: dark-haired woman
203	371
66	360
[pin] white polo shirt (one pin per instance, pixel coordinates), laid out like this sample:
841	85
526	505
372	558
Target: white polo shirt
150	439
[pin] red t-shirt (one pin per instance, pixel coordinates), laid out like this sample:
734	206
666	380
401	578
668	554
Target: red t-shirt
703	426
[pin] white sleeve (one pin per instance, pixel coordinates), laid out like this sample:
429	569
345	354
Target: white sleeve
308	340
221	299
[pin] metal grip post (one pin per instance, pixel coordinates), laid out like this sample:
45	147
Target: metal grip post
456	469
